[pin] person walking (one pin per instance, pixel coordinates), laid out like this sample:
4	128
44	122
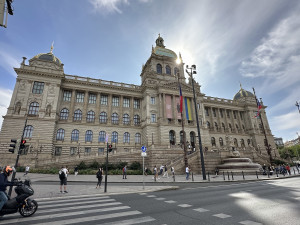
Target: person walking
166	172
125	172
63	173
26	170
187	171
155	173
76	170
99	177
7	171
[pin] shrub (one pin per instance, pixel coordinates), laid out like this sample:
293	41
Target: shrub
82	166
135	166
95	165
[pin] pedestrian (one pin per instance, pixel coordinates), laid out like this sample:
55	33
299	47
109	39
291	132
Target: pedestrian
125	172
264	169
217	171
161	170
146	171
99	177
7	171
155	172
173	171
187	171
288	169
63	173
166	172
76	170
26	170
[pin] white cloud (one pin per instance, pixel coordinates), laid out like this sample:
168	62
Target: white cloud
8	62
5	96
285	122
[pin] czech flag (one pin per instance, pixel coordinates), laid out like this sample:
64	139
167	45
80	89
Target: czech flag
259	106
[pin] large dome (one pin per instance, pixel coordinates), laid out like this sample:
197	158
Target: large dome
161	50
242	94
48	57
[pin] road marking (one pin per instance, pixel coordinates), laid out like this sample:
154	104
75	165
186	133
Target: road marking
74	203
142	193
92	218
222	215
160	198
131	221
46	201
248	222
170	201
151	196
201	210
184	205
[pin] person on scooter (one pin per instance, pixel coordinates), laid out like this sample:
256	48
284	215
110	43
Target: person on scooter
7	171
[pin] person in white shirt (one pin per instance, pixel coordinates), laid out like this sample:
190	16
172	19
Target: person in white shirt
26	170
63	174
187	171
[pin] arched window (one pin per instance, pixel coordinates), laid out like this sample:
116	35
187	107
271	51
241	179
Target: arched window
102	136
28	131
88	136
213	141
75	135
103	117
126	120
159	68
126	138
235	142
138	138
242	143
64	114
114	137
237	127
168	70
172	137
60	136
176	71
78	115
221	141
90	117
115	118
208	124
216	126
33	108
136	120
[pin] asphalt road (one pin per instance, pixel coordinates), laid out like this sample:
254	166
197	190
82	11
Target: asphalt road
251	203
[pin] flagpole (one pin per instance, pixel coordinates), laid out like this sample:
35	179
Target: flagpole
182	124
264	131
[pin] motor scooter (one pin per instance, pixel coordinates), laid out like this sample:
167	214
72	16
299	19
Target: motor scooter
21	203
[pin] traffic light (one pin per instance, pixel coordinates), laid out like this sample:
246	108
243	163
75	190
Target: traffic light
22	145
12	150
110	148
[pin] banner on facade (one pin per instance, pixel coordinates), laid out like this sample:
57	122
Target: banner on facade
169	107
188	110
178	108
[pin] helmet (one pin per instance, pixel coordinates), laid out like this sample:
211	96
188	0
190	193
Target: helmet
7	170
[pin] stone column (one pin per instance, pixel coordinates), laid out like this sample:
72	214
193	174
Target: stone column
71	112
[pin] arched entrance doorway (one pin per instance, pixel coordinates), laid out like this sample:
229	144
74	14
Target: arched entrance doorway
181	138
192	139
172	138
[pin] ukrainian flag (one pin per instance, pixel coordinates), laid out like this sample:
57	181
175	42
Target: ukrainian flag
188	110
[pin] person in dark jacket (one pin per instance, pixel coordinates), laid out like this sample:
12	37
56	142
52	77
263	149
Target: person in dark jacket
99	176
7	171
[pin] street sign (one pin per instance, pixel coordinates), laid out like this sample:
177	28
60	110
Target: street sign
144	154
144	149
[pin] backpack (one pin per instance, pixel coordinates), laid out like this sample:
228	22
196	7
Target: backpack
62	175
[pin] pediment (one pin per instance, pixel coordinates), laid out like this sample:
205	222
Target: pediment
174	85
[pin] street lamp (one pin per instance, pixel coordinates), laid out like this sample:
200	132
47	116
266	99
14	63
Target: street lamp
298	106
190	73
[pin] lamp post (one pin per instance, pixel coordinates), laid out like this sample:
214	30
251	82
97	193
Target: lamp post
298	106
190	71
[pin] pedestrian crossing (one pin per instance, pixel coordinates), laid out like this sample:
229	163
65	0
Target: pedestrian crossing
80	210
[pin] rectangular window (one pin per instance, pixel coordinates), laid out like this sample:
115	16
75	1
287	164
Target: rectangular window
79	97
115	101
136	103
73	150
100	151
103	99
92	99
38	87
153	118
67	96
152	100
57	151
126	102
87	151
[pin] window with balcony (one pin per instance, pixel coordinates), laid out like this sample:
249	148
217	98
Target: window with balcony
115	101
92	98
126	102
103	99
136	103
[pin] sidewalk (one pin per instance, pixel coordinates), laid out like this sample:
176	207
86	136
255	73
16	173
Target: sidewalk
87	183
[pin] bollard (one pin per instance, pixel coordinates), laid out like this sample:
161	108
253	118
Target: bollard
232	175
208	176
256	174
276	173
243	175
223	175
294	171
192	176
228	175
173	177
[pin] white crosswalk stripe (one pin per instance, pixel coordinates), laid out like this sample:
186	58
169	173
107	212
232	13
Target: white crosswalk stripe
96	210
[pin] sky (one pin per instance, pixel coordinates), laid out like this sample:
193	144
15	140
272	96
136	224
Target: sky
252	42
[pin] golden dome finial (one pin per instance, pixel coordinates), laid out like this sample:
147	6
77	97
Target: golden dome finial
51	49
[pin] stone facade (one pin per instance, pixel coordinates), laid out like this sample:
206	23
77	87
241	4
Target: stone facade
69	116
